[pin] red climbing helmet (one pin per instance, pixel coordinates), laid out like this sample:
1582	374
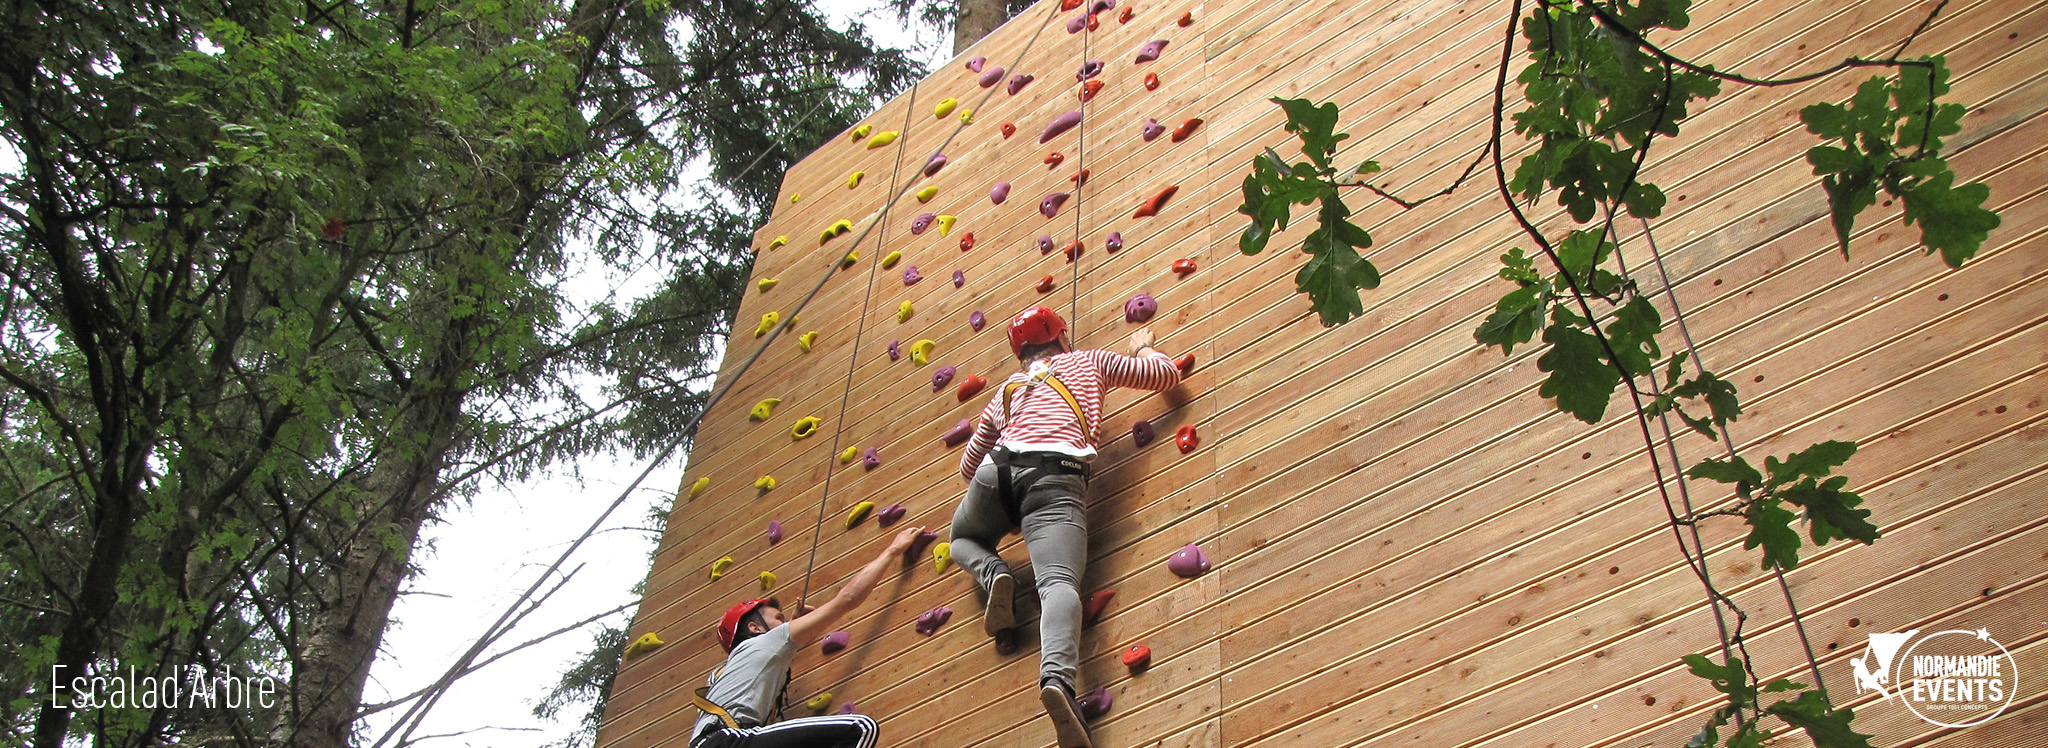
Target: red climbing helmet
1033	326
729	626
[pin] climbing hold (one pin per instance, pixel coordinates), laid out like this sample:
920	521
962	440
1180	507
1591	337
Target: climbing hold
977	319
945	107
1151	50
890	260
918	544
1075	24
990	77
1124	16
859	513
774	531
929	622
647	642
1140	308
1151	81
882	138
1059	125
1183	267
1186	438
767	323
1072	250
1044	244
942	376
1141	433
697	488
835	641
1101	5
911	276
1114	241
921	351
779	241
974	63
1053	159
1088	70
1138	658
1045	284
794	196
934	164
849	708
805	427
870	458
966	116
959	278
1186	364
999	193
1089	89
1008	129
903	312
942	555
1186	128
1049	206
862	131
764	409
820	702
1066	5
925	195
1018	82
767	579
958	434
1091	610
1152	204
1078	178
1006	642
719	567
1186	19
807	340
853	180
850	259
889	514
970	387
846	455
1153	129
1188	562
1094	22
766	283
838	227
1095	704
894	353
922	221
966	243
945	224
765	483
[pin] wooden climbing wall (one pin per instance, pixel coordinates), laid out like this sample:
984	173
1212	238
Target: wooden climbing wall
1411	546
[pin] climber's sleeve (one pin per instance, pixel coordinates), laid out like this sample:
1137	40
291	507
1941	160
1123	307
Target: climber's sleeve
1139	372
984	439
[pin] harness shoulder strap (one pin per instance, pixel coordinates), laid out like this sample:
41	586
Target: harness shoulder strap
702	698
1058	386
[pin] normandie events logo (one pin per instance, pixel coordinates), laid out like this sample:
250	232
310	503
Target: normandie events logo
1950	678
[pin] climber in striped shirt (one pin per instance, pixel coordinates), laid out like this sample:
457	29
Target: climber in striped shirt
1027	465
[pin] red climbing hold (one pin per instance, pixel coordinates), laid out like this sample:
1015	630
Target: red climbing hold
1094	22
1044	286
1151	81
1091	611
1151	206
1009	129
1079	178
971	386
1089	89
1185	437
1137	658
1186	19
1125	15
1053	159
967	241
1183	267
1186	364
1069	4
1072	250
1186	128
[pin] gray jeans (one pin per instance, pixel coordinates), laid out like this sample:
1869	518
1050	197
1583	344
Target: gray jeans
1055	532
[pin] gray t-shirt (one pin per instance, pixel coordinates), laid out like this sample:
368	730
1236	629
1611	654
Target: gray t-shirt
749	684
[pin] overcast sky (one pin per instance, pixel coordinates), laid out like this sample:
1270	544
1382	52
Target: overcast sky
484	555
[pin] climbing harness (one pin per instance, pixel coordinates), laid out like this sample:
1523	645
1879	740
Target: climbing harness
1011	490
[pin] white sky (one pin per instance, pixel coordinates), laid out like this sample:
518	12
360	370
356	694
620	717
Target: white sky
482	556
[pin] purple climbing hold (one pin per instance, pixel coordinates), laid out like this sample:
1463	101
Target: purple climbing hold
991	76
1049	206
1189	562
1088	70
1095	704
870	458
959	278
1140	308
849	708
1078	22
942	377
1151	50
835	641
934	164
911	276
917	545
890	514
1141	433
1114	242
774	531
1059	125
1018	82
922	221
1101	5
929	622
1153	129
976	320
999	193
957	435
894	351
1044	244
974	63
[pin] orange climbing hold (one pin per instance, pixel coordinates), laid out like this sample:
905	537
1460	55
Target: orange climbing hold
1186	19
1045	284
1186	438
1186	364
970	387
1009	129
967	241
1183	267
1138	658
1094	21
1069	4
1186	128
1072	250
1151	81
1125	15
1089	89
1152	205
1091	611
1053	159
1079	178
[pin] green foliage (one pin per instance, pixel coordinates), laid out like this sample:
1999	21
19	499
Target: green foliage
1335	270
1805	480
1811	711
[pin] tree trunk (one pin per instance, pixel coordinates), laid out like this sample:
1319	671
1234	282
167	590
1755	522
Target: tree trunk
977	18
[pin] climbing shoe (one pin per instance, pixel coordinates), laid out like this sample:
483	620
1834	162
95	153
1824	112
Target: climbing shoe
1065	714
1002	603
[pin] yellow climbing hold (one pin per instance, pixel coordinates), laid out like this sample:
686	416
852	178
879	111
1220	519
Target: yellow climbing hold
767	323
767	581
780	240
882	138
921	351
766	283
647	642
793	197
820	702
903	312
719	567
945	107
697	489
860	512
925	195
853	180
763	409
851	258
765	483
862	131
945	224
942	554
804	427
807	340
966	116
838	227
846	457
891	260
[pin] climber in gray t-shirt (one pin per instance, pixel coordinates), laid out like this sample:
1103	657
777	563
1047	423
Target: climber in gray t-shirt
748	687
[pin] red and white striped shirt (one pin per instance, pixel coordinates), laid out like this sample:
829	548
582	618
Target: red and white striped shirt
1040	419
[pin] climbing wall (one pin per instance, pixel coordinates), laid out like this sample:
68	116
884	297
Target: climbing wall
1409	545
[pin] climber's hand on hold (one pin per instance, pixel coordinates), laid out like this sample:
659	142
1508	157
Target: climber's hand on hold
1141	340
904	539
